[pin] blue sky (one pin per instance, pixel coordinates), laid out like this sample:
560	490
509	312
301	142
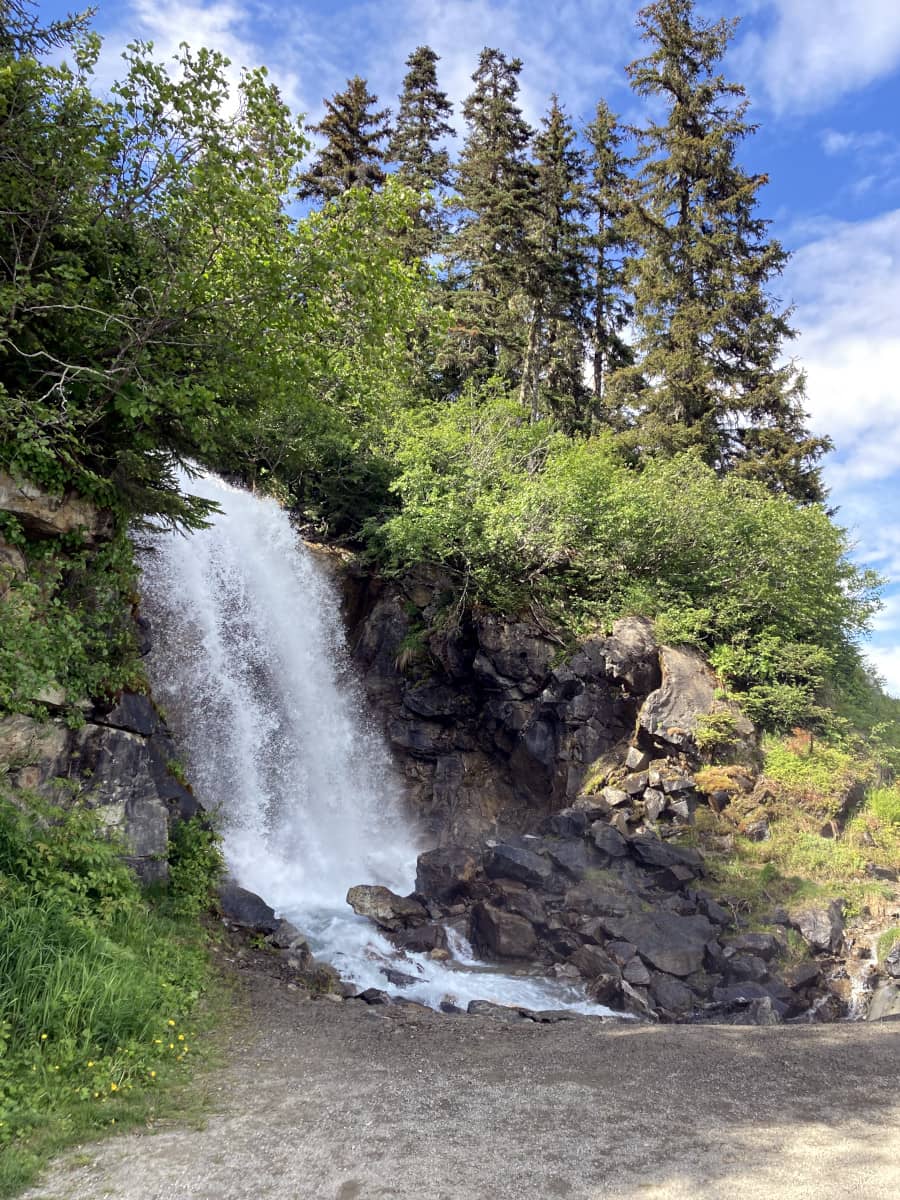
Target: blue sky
823	77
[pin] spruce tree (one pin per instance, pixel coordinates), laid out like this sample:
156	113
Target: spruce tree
553	370
423	163
607	196
495	182
709	334
352	154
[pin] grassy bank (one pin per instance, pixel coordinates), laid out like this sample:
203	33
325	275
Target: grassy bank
106	992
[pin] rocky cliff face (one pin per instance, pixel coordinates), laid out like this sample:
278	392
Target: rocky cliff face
119	757
496	723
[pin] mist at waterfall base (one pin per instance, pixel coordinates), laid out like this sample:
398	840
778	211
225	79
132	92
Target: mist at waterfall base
250	666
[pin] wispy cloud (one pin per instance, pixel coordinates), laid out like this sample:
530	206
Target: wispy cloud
809	53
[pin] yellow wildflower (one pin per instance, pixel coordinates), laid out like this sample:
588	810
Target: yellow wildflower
171	1023
113	1087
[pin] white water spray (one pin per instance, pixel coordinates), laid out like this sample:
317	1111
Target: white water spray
250	665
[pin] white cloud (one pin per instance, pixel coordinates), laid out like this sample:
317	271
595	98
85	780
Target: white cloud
845	285
834	142
887	664
814	51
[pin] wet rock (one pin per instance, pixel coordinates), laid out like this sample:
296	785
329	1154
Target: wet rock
447	873
246	909
524	901
133	711
502	934
286	936
891	964
399	979
374	996
386	909
821	926
497	1012
438	702
512	862
422	939
801	975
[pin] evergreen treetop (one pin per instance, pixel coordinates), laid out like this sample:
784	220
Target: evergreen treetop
352	154
709	335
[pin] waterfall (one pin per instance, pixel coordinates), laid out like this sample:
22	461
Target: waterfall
250	666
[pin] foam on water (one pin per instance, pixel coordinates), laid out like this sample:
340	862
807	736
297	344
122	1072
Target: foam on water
250	665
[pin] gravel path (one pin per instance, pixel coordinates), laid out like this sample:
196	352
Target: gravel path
329	1101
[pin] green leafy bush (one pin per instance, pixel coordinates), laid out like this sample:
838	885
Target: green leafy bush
196	866
884	804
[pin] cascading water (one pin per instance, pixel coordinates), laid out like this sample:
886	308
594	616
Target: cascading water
250	664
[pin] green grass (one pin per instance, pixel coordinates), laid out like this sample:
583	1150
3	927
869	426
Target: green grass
100	991
884	804
887	942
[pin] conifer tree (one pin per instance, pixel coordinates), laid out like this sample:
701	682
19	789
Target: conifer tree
495	182
553	370
352	154
607	194
709	335
424	164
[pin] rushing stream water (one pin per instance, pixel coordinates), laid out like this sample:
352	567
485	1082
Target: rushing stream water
250	665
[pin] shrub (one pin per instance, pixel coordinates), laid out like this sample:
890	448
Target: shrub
196	866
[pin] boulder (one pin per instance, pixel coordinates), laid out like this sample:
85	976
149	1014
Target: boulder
286	936
447	873
385	908
422	939
891	963
591	961
497	1012
575	857
630	654
635	971
609	840
743	993
821	926
652	852
672	714
763	945
885	1003
43	515
502	934
671	995
513	862
674	945
246	909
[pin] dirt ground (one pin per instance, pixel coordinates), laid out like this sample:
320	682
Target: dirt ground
337	1101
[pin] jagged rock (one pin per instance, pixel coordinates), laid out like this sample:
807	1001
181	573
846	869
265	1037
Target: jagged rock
802	975
634	785
524	901
512	653
615	797
675	784
650	851
448	872
569	823
821	927
576	858
636	1000
654	804
374	996
497	1012
635	971
246	909
502	934
636	760
399	979
742	993
672	714
671	995
712	909
386	909
672	944
620	952
631	654
512	862
132	711
43	515
591	961
891	962
438	701
422	939
609	840
743	967
885	1003
764	945
286	936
